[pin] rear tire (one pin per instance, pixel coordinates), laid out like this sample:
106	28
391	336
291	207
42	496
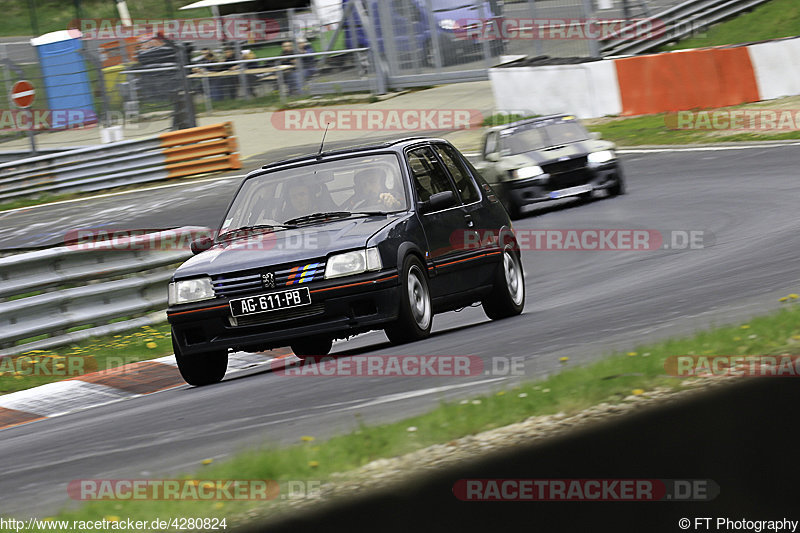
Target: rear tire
416	315
508	294
312	346
203	368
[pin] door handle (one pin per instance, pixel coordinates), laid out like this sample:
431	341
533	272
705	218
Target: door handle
468	218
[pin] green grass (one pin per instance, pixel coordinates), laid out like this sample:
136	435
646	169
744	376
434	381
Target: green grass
772	20
609	380
99	353
653	129
52	15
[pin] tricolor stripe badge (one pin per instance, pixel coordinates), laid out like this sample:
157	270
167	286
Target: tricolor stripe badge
305	274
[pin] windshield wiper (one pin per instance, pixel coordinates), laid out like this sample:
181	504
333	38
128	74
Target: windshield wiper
336	214
255	227
318	216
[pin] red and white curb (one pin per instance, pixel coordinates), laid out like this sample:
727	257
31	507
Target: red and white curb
113	385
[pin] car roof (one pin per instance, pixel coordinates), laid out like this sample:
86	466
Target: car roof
547	118
397	145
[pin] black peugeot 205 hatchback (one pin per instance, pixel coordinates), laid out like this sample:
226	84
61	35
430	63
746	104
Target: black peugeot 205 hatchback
338	243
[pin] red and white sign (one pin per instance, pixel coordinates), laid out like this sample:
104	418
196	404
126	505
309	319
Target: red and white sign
23	93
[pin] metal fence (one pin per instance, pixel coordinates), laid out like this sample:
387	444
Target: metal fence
64	294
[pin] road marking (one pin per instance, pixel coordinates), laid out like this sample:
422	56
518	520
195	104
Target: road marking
120	193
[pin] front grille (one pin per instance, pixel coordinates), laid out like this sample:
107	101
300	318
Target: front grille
278	316
569	165
248	282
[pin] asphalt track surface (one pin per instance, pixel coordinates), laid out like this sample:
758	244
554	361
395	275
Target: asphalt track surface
582	304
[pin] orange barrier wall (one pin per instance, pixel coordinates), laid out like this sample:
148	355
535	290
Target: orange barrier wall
694	79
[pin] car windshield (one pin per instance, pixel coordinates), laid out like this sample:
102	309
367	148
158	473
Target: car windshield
319	192
528	137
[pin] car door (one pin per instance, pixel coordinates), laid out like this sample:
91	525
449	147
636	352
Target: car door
446	262
478	241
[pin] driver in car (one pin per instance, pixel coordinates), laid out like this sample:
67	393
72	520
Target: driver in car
372	193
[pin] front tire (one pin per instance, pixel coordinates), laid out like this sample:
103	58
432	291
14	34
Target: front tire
312	346
508	294
203	368
619	186
416	315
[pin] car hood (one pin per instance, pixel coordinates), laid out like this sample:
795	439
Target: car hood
284	246
545	156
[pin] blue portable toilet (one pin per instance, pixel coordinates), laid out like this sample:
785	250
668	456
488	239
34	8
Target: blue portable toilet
65	77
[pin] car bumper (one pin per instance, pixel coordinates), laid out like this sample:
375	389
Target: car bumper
544	188
339	308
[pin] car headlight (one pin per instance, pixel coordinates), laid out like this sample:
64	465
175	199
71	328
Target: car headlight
603	156
448	24
354	262
190	290
528	172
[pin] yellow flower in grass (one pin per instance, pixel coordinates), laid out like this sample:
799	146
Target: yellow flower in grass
112	518
745	326
632	354
793	296
637	392
783	298
313	464
306	438
207	461
151	345
219	505
501	393
564	359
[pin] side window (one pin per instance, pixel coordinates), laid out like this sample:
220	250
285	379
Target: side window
491	144
428	173
464	184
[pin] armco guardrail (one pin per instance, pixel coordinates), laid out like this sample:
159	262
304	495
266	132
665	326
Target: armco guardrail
672	24
173	154
87	283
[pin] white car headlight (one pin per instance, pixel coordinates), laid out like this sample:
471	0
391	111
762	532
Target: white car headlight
528	172
448	24
354	262
603	156
190	290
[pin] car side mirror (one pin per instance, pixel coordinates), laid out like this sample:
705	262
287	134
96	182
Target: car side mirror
493	157
596	135
201	245
439	201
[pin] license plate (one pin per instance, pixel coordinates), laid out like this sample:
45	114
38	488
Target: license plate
571	191
270	302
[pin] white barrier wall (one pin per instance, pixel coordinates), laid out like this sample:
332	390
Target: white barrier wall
586	90
776	65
